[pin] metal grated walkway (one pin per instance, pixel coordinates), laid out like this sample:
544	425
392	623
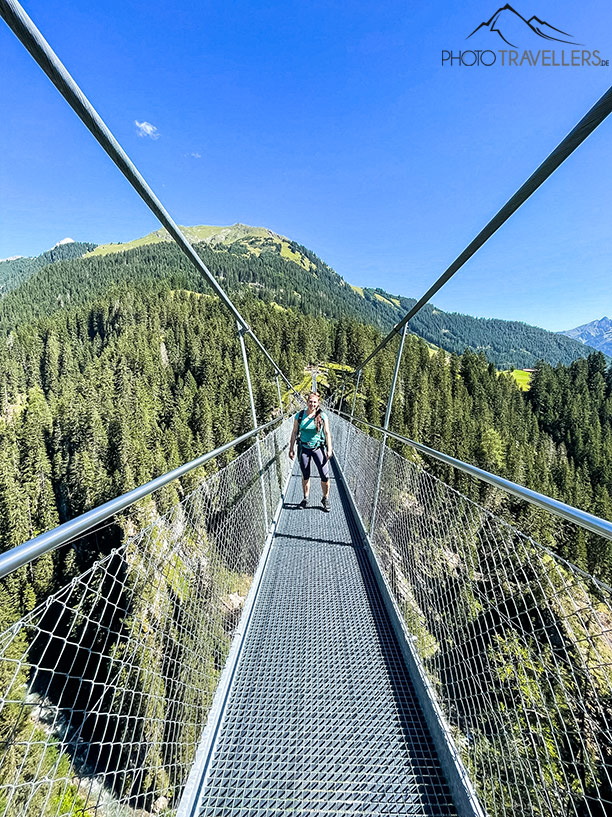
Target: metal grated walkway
322	717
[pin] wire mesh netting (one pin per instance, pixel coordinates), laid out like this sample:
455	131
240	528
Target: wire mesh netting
322	719
106	686
516	642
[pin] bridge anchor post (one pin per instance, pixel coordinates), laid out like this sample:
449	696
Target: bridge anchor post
242	331
381	458
348	431
280	399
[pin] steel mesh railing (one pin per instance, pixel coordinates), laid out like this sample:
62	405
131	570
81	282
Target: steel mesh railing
516	643
106	686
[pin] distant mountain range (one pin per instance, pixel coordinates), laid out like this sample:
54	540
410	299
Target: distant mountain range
258	262
596	334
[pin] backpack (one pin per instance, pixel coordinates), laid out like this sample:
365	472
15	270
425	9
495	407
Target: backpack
300	418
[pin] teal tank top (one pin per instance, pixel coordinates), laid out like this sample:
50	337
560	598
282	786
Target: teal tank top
309	436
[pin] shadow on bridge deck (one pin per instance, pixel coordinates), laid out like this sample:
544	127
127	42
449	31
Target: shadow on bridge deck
322	717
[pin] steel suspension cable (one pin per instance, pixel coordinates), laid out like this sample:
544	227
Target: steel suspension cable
574	139
62	534
588	521
24	29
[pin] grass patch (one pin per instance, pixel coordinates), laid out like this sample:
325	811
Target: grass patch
296	257
304	385
358	290
521	378
191	292
338	367
109	249
433	350
382	299
387	299
253	238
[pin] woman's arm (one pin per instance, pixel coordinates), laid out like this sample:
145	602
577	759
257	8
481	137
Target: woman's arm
294	434
328	440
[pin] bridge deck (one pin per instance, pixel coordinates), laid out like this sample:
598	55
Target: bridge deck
322	717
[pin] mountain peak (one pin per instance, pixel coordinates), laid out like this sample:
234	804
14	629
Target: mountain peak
206	233
597	334
63	241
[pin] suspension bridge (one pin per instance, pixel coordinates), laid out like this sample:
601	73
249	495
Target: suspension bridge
409	653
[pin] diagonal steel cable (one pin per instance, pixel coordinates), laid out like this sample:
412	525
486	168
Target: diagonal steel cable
591	120
24	29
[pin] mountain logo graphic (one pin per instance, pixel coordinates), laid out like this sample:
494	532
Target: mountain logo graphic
510	25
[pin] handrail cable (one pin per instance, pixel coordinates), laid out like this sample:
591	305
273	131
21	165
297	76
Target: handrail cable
62	534
585	520
574	139
24	29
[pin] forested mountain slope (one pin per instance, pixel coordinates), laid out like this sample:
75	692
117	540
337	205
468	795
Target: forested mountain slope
507	344
281	271
100	397
15	271
96	352
97	399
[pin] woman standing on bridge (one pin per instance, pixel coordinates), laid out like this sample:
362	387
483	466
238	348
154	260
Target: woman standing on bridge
311	430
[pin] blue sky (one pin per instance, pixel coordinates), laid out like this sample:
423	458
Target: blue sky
332	123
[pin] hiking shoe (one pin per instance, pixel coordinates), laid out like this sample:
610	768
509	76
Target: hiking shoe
326	504
303	503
